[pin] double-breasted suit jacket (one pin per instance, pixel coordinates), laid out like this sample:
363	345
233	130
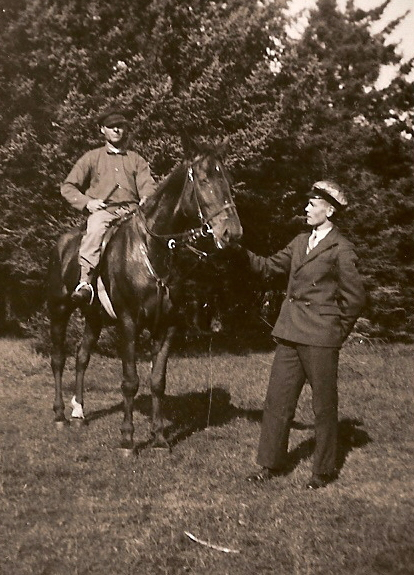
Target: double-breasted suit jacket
325	294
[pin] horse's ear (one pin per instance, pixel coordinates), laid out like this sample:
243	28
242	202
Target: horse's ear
185	142
193	146
189	144
222	147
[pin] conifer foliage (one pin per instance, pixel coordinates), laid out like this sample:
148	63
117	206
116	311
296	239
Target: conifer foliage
295	109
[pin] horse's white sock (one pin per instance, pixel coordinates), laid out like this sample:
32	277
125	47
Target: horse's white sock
77	409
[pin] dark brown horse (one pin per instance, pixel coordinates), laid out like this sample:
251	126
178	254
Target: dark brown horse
142	272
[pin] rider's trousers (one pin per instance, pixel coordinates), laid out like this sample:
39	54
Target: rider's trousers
90	248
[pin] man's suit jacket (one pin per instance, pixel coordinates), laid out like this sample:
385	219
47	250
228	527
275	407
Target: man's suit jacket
325	294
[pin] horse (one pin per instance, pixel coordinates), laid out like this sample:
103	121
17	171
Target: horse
141	272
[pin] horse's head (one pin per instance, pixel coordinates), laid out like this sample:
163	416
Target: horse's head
208	198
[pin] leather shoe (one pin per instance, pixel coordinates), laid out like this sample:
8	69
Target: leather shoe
83	294
265	474
320	481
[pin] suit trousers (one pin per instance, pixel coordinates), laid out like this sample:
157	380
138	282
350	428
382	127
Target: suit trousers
293	364
90	247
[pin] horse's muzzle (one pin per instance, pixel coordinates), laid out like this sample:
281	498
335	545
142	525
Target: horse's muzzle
226	229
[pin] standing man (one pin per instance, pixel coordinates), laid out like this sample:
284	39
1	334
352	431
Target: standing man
324	298
107	182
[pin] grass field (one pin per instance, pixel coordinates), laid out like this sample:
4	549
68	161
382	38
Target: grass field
72	504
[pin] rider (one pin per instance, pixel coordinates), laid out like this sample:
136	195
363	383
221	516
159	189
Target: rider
105	181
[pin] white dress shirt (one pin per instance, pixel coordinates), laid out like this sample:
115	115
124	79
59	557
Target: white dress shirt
315	237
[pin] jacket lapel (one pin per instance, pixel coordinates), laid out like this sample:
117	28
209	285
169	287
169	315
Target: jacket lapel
325	244
303	245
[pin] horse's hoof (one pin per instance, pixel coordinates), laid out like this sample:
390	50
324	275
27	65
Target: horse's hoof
78	422
61	424
160	444
126	451
162	450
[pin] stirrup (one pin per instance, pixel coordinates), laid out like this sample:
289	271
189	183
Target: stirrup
89	287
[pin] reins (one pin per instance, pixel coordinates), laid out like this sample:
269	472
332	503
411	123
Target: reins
185	239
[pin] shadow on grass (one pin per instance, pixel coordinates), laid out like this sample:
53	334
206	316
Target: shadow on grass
350	437
101	413
192	412
186	414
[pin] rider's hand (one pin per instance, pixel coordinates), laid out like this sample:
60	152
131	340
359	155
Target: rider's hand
94	205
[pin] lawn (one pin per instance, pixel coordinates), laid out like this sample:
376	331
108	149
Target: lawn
71	503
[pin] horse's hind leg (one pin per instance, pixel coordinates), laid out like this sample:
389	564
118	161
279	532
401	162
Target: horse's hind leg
59	317
160	353
91	333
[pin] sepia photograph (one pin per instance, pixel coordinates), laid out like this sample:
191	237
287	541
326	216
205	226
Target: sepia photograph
206	287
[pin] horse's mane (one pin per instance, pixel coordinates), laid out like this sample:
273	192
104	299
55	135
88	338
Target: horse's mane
174	182
174	179
171	184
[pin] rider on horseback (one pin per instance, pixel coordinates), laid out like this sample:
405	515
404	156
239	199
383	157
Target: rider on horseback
107	182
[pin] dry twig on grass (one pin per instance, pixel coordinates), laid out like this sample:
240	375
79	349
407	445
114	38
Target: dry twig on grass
211	545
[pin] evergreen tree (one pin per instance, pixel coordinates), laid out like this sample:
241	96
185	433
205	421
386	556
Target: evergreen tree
295	111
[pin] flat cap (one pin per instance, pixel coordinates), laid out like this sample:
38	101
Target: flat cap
112	117
330	192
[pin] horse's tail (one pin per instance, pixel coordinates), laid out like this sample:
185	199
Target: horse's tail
63	267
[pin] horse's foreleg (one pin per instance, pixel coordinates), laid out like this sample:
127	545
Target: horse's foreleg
157	383
130	381
92	330
59	317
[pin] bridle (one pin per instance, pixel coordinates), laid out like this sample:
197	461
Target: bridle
188	238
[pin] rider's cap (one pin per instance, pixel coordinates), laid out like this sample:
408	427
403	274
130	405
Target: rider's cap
330	192
112	117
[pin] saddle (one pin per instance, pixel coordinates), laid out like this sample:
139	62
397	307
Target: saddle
113	228
100	288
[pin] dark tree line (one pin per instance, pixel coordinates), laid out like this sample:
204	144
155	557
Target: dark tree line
295	111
